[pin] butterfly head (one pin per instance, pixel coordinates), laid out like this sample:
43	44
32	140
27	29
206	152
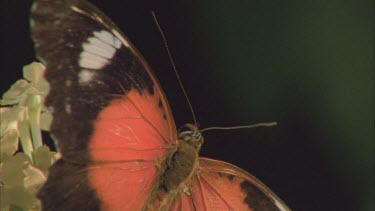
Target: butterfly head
191	135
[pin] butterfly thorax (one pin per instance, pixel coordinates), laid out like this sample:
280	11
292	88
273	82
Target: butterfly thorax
180	167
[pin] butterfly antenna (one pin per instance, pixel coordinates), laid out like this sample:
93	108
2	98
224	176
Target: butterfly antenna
174	66
263	124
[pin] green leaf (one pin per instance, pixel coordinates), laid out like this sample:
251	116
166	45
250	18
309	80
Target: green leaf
44	158
16	94
20	181
23	120
45	120
34	178
11	170
34	73
9	117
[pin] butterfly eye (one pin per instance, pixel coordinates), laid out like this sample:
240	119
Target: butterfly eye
190	134
186	135
187	131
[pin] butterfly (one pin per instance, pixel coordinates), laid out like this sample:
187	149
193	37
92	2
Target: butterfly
113	125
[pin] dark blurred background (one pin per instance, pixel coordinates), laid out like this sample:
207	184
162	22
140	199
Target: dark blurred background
309	65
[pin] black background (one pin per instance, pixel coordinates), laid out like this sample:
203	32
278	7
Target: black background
307	65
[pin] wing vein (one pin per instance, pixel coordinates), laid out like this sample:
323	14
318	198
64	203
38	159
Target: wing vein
201	190
152	125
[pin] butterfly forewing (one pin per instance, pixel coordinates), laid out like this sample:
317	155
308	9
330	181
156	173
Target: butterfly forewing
110	116
89	65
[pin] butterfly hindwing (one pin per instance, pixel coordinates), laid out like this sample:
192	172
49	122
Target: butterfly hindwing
109	186
222	186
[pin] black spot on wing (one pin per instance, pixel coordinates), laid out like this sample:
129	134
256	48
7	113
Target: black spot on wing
160	104
230	177
256	199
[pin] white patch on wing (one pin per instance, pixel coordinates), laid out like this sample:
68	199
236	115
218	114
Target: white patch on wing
68	108
105	49
118	43
51	109
106	36
98	50
92	61
121	38
68	83
85	76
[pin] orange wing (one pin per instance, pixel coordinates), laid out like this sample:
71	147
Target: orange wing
222	186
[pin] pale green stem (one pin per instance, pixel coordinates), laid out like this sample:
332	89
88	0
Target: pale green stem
24	129
35	107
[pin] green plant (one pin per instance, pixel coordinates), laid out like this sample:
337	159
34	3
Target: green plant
24	160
